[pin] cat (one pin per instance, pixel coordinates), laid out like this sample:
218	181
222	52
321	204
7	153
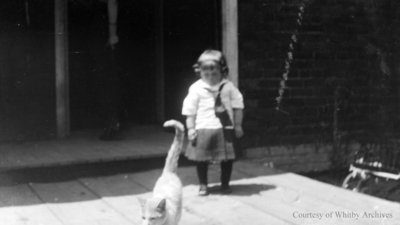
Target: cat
165	205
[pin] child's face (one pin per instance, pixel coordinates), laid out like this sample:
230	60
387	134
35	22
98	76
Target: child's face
210	72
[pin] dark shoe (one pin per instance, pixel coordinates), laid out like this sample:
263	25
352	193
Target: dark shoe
225	190
203	190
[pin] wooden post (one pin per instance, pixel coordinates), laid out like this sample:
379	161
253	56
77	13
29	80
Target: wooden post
230	37
61	67
160	86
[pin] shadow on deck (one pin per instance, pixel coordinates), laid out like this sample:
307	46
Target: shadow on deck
84	147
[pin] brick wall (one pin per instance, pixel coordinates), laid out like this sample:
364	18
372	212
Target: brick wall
343	55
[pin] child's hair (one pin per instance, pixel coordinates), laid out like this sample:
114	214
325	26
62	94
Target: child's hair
215	55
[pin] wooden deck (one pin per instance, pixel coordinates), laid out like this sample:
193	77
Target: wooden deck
261	195
85	147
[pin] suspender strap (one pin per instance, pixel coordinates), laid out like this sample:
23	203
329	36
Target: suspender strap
218	101
220	110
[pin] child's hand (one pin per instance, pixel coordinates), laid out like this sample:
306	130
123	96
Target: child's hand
239	131
192	134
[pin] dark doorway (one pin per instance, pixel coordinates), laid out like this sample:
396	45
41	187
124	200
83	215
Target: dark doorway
27	102
189	28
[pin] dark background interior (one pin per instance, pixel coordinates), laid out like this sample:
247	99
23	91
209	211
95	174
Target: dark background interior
27	61
27	73
189	28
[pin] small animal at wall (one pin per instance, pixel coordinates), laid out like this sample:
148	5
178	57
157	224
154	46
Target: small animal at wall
165	205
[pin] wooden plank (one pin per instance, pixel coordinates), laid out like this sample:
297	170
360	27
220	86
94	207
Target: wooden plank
188	175
349	200
203	207
20	206
74	204
322	190
255	169
332	193
329	197
61	67
226	210
78	149
230	45
122	193
148	179
286	203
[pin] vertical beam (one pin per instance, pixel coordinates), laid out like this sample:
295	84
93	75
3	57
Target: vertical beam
160	85
61	67
230	37
112	10
218	23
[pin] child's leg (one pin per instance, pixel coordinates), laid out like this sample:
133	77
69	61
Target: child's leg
202	169
226	171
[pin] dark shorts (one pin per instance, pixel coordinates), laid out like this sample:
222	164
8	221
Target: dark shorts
212	145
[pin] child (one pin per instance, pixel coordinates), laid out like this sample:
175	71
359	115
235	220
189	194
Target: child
210	135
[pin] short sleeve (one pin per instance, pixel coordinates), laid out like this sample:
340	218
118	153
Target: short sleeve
236	98
190	103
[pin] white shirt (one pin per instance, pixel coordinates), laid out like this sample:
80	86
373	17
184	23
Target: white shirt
200	102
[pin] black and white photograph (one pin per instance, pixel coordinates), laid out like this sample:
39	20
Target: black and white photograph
199	112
